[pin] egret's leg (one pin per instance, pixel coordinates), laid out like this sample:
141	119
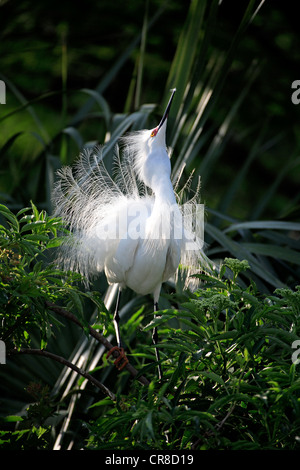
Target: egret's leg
155	341
117	319
121	360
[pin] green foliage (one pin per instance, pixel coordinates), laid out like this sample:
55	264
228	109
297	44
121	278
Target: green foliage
229	381
28	279
29	287
32	431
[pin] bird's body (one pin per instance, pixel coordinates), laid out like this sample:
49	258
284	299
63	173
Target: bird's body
145	255
131	227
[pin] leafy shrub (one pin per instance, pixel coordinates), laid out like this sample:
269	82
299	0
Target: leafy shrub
30	289
229	381
27	281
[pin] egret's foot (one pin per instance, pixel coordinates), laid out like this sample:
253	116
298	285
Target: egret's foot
121	361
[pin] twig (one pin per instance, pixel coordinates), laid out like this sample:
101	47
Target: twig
221	423
70	316
62	360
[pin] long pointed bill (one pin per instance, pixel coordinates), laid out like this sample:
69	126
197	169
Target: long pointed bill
167	110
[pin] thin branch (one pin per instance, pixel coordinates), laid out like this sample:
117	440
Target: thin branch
65	362
221	423
70	316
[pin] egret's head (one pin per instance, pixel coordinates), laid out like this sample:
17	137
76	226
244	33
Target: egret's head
156	137
158	134
148	149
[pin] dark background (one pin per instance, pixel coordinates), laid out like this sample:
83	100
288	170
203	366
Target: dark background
36	39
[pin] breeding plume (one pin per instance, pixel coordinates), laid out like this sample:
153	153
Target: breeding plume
129	225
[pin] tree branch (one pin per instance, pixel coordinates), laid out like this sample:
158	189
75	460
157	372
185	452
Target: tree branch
70	316
65	362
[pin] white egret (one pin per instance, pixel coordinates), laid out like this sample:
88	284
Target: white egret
130	227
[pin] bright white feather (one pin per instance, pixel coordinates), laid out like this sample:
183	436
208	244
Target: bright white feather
130	224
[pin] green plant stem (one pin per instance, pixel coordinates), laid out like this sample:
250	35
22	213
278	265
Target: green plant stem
62	360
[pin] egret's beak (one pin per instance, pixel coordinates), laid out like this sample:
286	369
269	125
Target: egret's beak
167	110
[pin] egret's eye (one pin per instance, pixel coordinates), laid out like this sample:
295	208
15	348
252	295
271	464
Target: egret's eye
154	132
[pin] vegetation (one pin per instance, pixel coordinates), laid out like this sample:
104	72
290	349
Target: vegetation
229	380
229	350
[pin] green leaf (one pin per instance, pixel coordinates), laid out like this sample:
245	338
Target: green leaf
264	224
54	242
149	425
75	134
33	226
11	419
185	54
213	376
240	252
22	211
10	216
36	237
4	149
76	301
101	102
274	251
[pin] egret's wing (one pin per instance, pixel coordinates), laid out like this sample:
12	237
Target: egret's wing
89	201
124	259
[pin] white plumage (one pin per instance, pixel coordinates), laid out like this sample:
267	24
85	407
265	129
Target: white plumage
129	225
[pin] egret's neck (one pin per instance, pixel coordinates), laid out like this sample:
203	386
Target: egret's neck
163	190
165	215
